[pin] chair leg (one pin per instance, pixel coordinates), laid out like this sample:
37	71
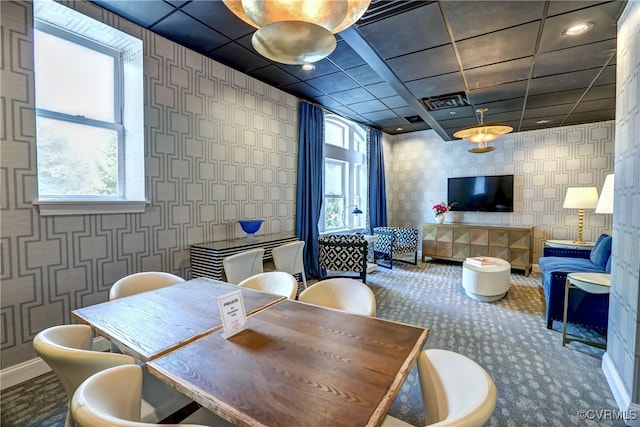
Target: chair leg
304	279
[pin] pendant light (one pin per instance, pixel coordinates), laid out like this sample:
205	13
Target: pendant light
482	134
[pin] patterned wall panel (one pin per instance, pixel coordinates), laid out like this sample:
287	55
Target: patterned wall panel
544	163
219	146
623	346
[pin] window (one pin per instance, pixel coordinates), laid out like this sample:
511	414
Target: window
89	114
345	175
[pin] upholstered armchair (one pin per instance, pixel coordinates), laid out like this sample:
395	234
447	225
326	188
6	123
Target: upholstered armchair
395	241
342	255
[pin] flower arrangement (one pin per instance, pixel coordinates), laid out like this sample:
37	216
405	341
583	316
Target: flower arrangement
441	208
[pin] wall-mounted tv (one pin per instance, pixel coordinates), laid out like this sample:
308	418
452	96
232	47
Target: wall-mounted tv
481	193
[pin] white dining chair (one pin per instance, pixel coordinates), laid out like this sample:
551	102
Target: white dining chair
142	282
456	391
344	294
111	398
274	282
288	257
67	350
243	265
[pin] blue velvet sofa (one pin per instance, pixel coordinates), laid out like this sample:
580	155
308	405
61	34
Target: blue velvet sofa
584	308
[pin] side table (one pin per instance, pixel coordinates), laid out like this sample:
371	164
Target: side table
568	244
593	283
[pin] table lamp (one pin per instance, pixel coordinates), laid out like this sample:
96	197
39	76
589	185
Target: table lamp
580	198
605	202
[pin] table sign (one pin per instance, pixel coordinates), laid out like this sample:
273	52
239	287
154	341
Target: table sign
234	318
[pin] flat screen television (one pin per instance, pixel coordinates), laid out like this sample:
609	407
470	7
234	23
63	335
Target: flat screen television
481	193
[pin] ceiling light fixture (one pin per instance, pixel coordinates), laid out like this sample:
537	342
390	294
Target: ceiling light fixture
308	67
297	31
542	121
576	30
482	134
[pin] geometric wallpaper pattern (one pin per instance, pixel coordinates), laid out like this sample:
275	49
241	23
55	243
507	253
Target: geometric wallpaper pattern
623	348
219	146
544	164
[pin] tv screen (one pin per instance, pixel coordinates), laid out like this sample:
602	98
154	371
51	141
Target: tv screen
481	193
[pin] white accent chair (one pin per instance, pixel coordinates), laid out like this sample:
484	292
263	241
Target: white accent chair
288	257
274	282
456	391
344	294
111	398
67	350
142	282
243	265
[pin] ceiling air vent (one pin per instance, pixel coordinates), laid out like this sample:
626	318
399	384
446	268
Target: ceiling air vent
414	119
382	9
442	102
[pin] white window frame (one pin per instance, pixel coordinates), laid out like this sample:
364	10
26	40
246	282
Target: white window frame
355	161
61	21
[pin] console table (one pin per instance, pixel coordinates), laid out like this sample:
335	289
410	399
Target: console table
206	258
456	242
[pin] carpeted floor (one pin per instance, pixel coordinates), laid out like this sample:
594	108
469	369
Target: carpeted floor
540	382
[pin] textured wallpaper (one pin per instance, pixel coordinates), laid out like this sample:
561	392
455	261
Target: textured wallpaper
544	163
623	347
219	146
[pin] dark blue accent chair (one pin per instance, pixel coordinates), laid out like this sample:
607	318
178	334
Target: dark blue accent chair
584	309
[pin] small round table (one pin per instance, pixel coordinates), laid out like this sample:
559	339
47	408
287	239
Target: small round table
489	282
593	283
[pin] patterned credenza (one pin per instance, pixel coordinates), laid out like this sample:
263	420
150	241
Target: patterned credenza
456	242
206	258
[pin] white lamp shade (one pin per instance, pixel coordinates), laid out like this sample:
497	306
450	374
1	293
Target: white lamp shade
581	198
605	203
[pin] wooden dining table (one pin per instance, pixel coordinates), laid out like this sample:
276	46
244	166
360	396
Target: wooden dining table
153	323
297	365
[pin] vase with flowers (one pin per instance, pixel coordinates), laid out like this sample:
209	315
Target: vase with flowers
440	210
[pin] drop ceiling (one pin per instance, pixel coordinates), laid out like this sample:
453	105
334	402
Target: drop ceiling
415	65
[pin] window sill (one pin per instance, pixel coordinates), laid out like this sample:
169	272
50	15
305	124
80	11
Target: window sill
86	207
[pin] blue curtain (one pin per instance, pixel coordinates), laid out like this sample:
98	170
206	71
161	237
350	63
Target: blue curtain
377	188
309	189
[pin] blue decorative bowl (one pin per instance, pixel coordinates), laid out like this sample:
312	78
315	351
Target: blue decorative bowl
250	226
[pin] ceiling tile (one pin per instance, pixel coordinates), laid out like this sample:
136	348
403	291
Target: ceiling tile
275	76
352	96
323	67
238	57
405	112
425	63
504	72
387	123
559	82
345	57
326	101
331	83
604	16
394	101
412	31
436	86
473	18
505	45
544	112
502	106
557	7
600	92
596	105
607	77
591	116
593	55
216	15
380	115
497	93
302	90
193	34
555	98
139	12
364	74
368	107
381	90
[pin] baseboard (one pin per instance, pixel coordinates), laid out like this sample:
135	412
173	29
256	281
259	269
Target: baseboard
25	371
630	410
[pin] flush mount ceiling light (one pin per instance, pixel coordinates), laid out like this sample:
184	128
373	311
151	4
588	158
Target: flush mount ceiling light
482	134
296	32
576	30
308	67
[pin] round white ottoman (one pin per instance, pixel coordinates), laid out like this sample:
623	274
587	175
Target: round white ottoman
489	282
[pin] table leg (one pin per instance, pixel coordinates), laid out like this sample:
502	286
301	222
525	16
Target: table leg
567	284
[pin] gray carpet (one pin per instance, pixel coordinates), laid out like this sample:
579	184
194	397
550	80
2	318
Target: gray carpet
540	383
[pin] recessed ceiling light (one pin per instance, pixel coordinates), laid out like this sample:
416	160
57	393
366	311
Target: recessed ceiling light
452	113
398	128
308	67
576	30
543	121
